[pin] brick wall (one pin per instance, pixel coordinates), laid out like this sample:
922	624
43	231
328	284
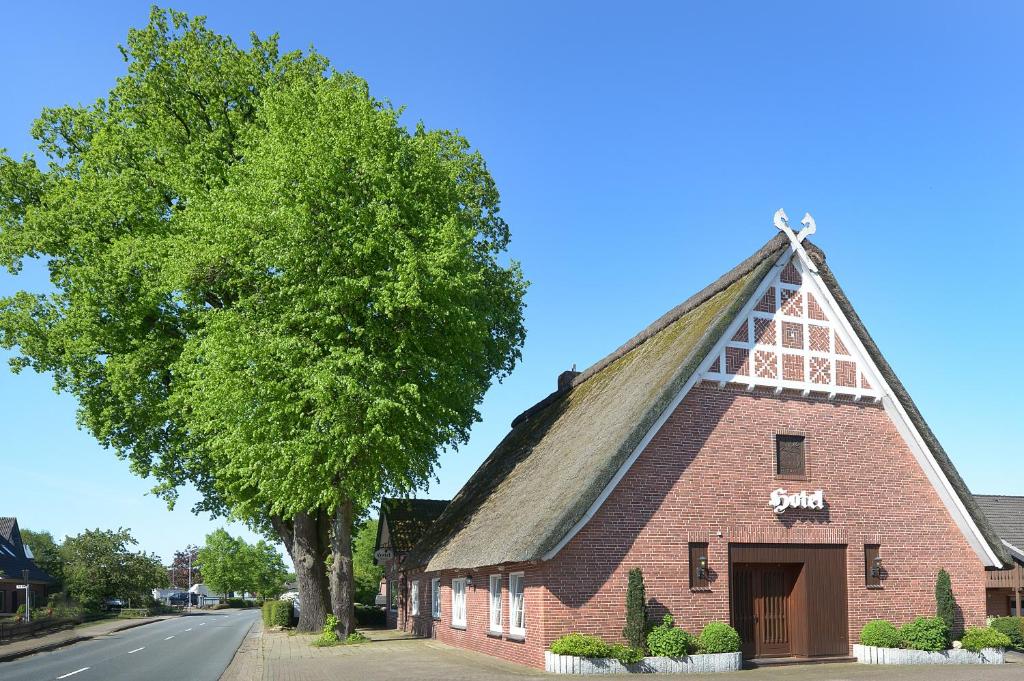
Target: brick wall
710	470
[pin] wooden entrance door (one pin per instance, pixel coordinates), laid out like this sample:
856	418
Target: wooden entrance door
761	608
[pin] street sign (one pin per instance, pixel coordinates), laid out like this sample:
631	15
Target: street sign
22	586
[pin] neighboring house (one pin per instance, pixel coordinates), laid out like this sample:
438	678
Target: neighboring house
15	559
1005	588
751	451
402	523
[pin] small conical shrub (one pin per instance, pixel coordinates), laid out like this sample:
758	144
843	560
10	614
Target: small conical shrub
636	610
945	604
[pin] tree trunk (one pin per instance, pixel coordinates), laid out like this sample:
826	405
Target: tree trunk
307	553
341	576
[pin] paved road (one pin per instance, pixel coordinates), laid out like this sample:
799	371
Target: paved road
191	648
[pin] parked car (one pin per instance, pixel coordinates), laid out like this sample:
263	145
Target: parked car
112	604
180	598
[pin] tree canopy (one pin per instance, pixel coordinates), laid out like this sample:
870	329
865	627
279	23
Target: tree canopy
46	553
263	284
99	564
231	564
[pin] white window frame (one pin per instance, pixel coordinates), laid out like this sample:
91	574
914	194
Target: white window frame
414	597
513	630
435	598
459	613
494	604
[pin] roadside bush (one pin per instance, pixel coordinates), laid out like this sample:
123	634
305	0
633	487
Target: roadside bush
976	638
237	603
356	637
1013	627
718	637
277	613
925	633
328	636
133	613
667	640
267	606
624	653
220	606
370	616
580	645
881	633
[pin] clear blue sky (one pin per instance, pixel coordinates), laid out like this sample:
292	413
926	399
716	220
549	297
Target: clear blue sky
640	153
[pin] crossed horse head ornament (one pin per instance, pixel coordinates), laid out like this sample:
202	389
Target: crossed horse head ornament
796	239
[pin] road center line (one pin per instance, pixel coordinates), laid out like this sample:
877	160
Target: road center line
136	650
202	624
189	629
169	638
72	673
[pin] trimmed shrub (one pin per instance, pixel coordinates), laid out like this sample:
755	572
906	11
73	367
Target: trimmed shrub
370	616
945	604
625	654
976	638
267	606
718	637
881	633
636	610
280	614
580	645
237	603
669	641
1013	627
925	633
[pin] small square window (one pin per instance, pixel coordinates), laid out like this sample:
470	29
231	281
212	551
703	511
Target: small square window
789	456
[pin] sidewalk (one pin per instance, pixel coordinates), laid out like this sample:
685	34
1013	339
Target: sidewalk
83	632
247	664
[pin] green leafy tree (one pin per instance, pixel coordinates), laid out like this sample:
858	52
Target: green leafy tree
636	610
367	573
99	564
263	284
945	604
46	553
230	564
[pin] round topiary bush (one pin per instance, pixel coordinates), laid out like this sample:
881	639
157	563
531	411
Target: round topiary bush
880	633
976	638
718	637
666	640
925	633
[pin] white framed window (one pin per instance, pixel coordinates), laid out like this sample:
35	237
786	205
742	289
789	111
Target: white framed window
414	595
495	599
435	598
516	605
459	602
393	596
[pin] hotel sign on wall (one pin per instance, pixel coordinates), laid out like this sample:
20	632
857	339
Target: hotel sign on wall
780	500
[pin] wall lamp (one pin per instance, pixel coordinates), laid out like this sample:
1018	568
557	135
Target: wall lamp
469	580
702	567
876	568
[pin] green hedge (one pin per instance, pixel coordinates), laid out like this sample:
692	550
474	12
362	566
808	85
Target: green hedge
666	640
1013	627
718	637
925	633
370	616
976	638
277	613
133	613
584	645
882	634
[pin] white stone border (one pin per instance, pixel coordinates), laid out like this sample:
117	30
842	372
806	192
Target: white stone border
570	664
876	655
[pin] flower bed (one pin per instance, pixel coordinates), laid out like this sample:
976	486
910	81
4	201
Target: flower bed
876	655
711	662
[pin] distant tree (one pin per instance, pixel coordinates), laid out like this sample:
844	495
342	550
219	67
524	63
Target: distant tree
367	573
636	610
99	564
46	553
230	564
180	567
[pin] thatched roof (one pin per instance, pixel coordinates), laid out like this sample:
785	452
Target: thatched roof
407	520
539	481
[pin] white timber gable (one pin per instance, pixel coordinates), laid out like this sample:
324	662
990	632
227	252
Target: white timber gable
790	339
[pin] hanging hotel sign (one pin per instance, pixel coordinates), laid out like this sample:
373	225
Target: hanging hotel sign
780	500
384	554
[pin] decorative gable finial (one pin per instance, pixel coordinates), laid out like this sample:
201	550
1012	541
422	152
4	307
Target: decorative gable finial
795	240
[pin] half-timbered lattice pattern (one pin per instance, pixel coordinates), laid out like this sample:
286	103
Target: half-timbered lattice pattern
791	340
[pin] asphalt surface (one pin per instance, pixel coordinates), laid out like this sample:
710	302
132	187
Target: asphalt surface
196	647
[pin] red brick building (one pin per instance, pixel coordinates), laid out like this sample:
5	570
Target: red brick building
752	451
18	567
1004	594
